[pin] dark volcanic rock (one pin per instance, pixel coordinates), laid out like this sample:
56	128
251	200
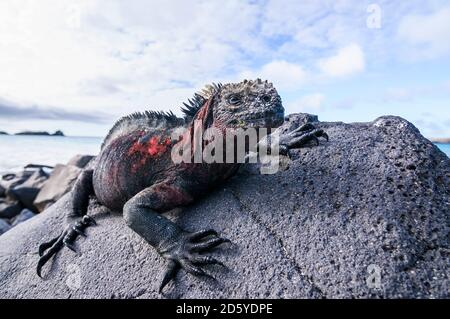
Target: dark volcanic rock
39	166
9	210
23	216
58	133
364	215
10	181
37	179
33	133
25	196
4	227
41	133
26	192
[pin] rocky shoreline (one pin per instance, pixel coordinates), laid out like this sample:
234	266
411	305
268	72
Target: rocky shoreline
364	215
36	133
441	140
25	194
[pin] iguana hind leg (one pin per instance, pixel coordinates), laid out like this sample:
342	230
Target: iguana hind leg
78	221
183	249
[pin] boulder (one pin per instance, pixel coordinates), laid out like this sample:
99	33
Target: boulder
23	216
10	209
80	160
9	181
4	226
37	179
60	182
364	215
25	196
26	192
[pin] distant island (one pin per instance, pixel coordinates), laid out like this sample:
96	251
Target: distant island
3	133
443	140
57	133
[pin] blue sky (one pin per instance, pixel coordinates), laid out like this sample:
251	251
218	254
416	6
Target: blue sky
79	65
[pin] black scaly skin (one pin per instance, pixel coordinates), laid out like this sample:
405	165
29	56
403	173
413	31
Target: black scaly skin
134	172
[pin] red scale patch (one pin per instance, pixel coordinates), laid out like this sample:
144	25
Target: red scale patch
154	147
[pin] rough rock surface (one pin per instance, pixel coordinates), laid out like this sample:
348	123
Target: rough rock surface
364	215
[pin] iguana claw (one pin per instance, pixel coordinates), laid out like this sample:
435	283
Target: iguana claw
301	136
66	238
170	273
184	253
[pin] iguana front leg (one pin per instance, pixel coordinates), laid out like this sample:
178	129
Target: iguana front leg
284	142
181	248
300	137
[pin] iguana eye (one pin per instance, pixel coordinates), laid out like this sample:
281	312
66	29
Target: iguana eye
266	98
235	99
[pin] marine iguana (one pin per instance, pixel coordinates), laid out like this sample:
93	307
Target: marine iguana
135	174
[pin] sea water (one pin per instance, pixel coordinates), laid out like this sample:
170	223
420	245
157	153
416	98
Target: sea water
445	148
18	151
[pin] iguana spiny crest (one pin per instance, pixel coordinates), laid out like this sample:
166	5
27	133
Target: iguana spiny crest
245	104
250	103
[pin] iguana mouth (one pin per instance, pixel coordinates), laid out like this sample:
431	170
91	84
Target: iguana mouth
268	119
248	122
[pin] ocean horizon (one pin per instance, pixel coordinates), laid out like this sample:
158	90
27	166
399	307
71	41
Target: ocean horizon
19	151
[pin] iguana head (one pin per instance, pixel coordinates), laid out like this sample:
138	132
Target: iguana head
239	105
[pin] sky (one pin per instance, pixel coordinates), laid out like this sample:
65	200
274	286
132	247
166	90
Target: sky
80	65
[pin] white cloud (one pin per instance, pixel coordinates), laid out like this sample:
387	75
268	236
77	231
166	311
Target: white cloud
428	34
308	103
348	60
116	56
284	75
